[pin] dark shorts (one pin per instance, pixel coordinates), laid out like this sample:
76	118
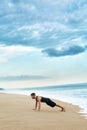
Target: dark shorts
50	103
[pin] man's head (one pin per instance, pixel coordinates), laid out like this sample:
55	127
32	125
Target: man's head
33	95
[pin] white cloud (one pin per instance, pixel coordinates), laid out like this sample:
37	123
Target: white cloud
13	6
38	29
8	52
35	34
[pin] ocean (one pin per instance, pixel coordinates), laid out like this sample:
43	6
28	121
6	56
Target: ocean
71	93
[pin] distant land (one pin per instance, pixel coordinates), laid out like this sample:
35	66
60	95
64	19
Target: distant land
1	89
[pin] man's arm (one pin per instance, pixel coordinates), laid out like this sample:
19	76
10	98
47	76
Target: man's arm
39	105
36	105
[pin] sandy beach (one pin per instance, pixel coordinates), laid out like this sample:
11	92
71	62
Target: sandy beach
16	114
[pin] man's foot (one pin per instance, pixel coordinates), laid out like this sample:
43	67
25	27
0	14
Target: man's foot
63	109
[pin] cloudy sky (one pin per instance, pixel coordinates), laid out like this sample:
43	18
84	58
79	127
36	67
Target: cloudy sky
43	42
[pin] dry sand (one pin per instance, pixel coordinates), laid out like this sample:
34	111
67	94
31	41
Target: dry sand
16	114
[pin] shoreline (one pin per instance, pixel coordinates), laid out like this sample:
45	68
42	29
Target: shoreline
16	113
80	110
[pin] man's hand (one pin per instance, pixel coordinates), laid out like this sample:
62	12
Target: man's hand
34	109
38	110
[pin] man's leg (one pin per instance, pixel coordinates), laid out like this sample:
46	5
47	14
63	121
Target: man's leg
62	108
